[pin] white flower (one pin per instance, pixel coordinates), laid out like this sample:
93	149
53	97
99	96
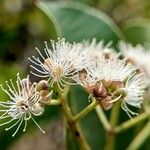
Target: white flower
60	63
110	79
21	105
84	79
134	89
94	50
139	56
111	69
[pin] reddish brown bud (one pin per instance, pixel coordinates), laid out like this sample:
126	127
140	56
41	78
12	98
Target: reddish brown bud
42	85
106	83
117	85
45	96
105	103
99	90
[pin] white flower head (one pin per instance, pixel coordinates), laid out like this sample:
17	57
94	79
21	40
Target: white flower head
134	89
22	104
111	69
139	56
84	79
101	61
59	63
110	79
95	50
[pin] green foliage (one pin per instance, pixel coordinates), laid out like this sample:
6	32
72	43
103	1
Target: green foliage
137	31
78	22
90	125
49	25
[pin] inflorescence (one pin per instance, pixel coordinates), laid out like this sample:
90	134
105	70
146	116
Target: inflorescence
106	76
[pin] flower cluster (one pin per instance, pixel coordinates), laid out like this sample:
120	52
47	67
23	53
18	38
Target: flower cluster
98	68
60	63
111	79
25	101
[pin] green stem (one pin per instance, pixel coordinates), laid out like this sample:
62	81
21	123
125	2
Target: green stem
85	111
103	118
114	116
130	123
54	102
65	106
73	125
140	138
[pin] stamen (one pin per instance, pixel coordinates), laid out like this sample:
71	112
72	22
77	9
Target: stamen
7	122
6	106
127	110
47	54
6	91
42	76
18	127
37	125
116	99
13	87
38	70
6	129
25	126
17	82
5	117
34	62
59	86
40	53
46	45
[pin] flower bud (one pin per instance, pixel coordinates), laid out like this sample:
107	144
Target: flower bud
99	90
42	85
106	83
115	85
37	109
46	96
105	103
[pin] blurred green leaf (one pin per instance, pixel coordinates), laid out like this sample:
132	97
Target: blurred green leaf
71	141
78	22
137	31
90	125
43	22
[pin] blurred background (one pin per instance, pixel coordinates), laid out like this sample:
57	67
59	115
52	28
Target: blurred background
26	24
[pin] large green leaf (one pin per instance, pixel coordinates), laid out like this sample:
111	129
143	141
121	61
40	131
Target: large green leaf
90	125
78	22
44	22
137	31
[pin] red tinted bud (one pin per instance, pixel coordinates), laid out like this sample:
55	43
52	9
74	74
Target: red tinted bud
42	85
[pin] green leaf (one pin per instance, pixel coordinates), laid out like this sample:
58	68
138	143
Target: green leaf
91	127
137	31
43	22
78	22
